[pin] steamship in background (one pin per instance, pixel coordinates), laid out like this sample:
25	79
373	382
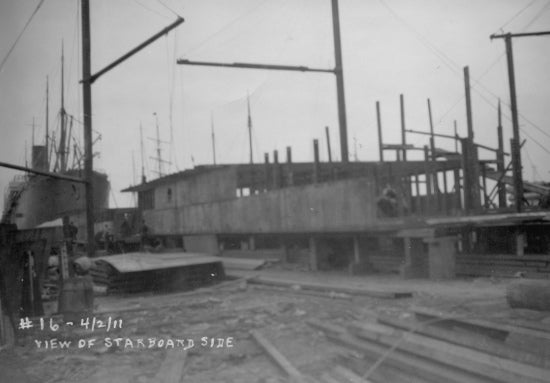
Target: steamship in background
31	200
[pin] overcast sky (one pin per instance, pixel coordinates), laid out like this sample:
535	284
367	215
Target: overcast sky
417	48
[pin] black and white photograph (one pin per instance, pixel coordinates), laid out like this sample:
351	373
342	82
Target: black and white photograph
275	191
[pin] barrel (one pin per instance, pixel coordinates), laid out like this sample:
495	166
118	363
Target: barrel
76	299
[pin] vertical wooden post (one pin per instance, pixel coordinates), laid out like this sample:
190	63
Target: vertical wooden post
471	175
468	103
432	137
457	139
315	161
486	201
516	148
500	161
339	72
276	176
458	198
429	205
87	110
289	173
380	141
403	133
446	193
266	170
419	208
435	177
328	144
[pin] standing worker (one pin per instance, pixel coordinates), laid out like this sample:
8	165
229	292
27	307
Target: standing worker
144	235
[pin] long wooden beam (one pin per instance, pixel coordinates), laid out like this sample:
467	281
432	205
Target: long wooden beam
132	52
294	68
42	173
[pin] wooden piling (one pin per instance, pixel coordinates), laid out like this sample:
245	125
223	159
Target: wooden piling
315	161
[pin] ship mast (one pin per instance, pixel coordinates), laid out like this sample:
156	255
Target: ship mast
143	179
63	137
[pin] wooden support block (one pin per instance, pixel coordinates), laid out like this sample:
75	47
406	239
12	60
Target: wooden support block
172	368
282	362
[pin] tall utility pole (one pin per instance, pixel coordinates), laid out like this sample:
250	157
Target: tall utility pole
47	122
339	72
87	110
516	150
500	160
87	81
249	121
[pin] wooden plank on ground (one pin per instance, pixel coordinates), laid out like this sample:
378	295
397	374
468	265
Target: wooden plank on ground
486	325
385	372
349	375
414	365
337	289
279	358
320	294
491	366
466	339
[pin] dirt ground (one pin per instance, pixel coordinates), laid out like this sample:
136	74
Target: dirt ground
226	315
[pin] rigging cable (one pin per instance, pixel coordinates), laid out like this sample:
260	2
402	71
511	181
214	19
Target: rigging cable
150	10
223	28
20	34
538	15
453	66
170	9
517	14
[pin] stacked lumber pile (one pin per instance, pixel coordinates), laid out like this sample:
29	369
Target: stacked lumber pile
427	347
177	278
483	265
